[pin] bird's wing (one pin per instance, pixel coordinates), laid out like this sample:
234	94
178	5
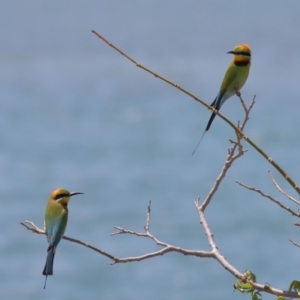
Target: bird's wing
227	86
230	76
56	227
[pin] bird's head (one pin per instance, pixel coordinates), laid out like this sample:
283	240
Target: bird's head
63	196
241	53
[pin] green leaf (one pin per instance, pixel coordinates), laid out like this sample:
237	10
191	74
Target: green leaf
247	285
295	285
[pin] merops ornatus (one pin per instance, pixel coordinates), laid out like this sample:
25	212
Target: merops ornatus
234	79
56	218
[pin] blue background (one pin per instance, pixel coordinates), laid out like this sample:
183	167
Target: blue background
76	114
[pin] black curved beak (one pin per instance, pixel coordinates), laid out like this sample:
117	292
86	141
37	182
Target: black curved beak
75	193
231	52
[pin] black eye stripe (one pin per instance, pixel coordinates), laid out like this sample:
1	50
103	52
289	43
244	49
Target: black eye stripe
242	53
59	196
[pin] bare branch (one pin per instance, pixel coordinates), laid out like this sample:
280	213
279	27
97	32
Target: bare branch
231	157
294	243
167	248
221	259
125	231
234	153
32	227
238	94
212	244
163	251
170	248
228	163
147	226
246	138
281	190
246	110
269	197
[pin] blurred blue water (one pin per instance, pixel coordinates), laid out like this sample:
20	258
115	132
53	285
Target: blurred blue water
75	114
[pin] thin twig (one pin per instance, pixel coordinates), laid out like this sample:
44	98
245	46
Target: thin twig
269	197
32	227
163	251
147	226
294	243
281	190
167	248
246	110
231	157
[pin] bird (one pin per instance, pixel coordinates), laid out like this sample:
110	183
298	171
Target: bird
234	79
55	223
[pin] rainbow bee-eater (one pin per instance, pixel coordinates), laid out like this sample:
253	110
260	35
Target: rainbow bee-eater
234	79
56	218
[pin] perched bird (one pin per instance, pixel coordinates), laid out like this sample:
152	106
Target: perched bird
56	218
234	79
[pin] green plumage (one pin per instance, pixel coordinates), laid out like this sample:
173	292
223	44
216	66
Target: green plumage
235	78
56	218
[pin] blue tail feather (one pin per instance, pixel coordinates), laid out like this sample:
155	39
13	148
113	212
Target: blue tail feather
217	103
48	269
